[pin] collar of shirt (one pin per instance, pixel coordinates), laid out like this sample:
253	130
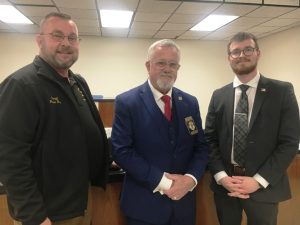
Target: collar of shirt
157	96
252	83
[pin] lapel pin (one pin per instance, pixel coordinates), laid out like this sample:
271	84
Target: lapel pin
263	89
180	98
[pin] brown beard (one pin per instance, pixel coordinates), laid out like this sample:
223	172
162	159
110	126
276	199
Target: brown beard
243	70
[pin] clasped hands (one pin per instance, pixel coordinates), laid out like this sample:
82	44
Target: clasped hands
181	185
240	186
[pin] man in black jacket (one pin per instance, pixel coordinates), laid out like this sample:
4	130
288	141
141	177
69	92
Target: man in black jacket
52	141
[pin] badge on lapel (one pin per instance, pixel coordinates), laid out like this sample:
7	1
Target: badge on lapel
191	126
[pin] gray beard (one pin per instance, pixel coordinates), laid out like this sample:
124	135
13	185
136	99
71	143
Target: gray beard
164	87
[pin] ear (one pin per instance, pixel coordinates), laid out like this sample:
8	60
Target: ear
258	53
228	58
147	64
38	40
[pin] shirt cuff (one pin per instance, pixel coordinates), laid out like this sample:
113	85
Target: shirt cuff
218	176
164	184
195	180
262	181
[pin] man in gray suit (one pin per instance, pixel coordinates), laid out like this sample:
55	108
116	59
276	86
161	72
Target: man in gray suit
257	180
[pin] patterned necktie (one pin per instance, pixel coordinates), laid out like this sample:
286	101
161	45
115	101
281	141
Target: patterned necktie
166	99
241	127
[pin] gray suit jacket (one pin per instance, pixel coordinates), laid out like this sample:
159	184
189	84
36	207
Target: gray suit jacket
272	141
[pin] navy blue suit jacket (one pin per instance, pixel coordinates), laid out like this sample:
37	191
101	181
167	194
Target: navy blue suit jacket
142	147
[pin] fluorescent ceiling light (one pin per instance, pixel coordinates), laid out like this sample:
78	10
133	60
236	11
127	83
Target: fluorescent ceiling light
213	22
9	14
115	18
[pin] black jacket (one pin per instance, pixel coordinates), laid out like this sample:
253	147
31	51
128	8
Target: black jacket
44	160
272	140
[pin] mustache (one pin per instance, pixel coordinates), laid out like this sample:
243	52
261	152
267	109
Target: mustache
167	75
65	50
242	60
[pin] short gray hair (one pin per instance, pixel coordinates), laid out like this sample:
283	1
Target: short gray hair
163	43
54	14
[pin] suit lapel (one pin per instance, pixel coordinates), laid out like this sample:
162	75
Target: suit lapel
261	93
149	102
229	101
181	110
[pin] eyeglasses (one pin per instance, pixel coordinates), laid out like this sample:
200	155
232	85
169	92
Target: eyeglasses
248	51
162	64
60	37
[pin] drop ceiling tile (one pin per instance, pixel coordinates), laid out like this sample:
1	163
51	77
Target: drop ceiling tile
143	32
118	4
36	19
3	26
168	34
80	13
32	2
177	26
234	9
245	1
197	8
232	29
186	18
88	30
76	4
146	26
292	14
262	29
4	2
248	21
285	2
36	10
194	34
156	18
139	36
151	17
85	22
270	11
280	22
217	37
158	6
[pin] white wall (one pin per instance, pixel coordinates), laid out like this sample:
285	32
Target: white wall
112	66
281	57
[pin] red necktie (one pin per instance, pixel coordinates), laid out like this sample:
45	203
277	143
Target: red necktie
166	99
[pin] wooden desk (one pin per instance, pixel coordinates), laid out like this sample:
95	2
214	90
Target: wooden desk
106	209
5	219
106	108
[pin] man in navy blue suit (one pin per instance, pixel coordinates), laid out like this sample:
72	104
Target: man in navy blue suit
164	156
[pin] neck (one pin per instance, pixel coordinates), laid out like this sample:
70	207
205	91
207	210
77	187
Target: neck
245	78
63	72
